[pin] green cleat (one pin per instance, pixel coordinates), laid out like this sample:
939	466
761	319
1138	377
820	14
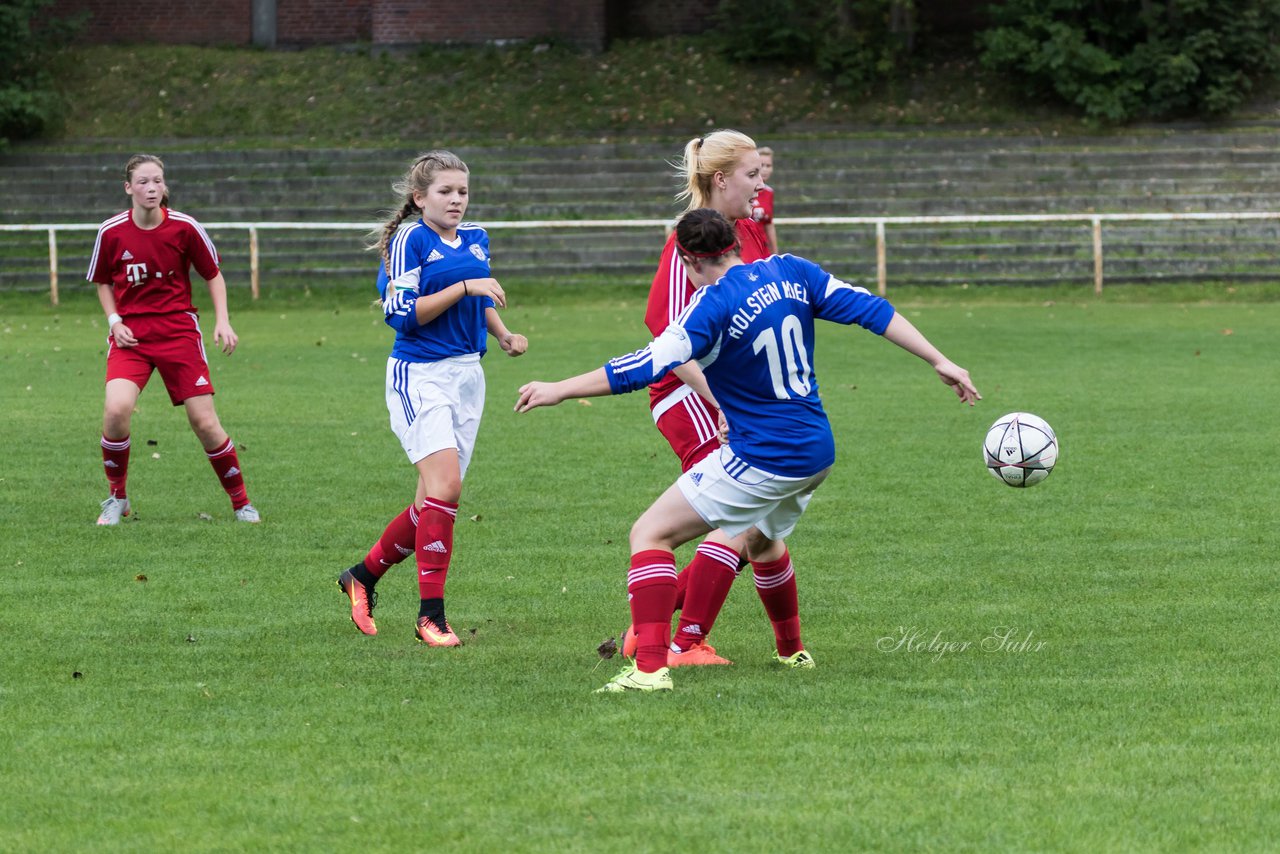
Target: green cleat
801	660
633	679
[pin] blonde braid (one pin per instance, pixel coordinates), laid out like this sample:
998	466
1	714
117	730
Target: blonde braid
389	230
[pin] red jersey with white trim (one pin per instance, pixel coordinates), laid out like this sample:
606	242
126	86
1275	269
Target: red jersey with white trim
762	207
149	269
671	291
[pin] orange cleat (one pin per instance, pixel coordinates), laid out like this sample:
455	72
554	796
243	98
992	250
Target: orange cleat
362	601
430	634
696	655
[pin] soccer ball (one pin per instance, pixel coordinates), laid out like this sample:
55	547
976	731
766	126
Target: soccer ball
1020	449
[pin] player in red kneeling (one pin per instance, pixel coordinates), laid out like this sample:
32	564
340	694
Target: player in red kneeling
141	262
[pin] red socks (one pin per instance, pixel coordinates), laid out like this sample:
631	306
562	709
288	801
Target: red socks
711	574
115	462
776	585
396	543
227	466
433	542
651	590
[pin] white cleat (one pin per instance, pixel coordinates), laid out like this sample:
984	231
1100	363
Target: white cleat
248	513
113	509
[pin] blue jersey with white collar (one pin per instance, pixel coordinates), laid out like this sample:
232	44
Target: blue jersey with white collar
752	333
423	263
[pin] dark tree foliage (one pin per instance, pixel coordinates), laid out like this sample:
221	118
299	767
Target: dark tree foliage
858	42
28	38
1135	59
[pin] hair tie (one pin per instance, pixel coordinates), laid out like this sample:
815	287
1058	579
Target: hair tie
725	251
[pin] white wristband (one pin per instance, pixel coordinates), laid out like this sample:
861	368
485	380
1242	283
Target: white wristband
112	320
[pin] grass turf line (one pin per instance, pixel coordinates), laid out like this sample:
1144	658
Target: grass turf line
226	701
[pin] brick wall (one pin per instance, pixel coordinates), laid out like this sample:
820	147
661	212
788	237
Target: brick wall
586	23
402	22
305	22
164	21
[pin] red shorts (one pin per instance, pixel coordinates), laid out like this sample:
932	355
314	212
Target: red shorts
168	343
689	426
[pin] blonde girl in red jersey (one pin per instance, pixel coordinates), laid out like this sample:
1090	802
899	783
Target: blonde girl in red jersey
722	171
141	262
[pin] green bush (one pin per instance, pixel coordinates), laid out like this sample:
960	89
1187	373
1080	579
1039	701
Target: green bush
1117	62
28	39
857	42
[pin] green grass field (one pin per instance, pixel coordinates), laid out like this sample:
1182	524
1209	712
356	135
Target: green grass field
184	683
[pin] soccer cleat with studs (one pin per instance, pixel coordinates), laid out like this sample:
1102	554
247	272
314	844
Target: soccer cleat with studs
248	513
633	679
113	509
430	633
700	654
801	660
630	642
362	601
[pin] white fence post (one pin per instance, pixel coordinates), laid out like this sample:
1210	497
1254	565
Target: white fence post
882	267
53	266
1097	255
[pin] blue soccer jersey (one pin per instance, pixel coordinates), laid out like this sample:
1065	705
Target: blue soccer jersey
423	263
752	333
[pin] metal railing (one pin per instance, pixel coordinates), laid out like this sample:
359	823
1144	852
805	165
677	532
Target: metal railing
879	223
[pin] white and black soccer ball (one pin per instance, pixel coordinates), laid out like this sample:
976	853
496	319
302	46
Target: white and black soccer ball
1020	449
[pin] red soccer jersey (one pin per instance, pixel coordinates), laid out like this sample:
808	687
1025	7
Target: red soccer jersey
671	291
149	270
762	207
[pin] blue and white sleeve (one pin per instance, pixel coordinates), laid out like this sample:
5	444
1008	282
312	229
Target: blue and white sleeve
639	369
841	302
403	275
398	302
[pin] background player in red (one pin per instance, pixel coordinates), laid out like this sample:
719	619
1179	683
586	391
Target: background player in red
762	208
721	172
141	262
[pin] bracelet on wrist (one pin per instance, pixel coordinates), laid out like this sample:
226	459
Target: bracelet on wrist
112	320
465	292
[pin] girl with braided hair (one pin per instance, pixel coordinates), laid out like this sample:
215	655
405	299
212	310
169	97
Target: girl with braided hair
439	297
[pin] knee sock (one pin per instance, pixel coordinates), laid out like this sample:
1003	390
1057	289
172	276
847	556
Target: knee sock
651	587
433	543
711	574
226	465
115	462
776	585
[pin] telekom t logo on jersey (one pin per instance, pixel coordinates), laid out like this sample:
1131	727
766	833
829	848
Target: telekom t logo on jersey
136	274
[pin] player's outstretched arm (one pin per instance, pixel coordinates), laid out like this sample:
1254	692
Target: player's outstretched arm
535	394
903	333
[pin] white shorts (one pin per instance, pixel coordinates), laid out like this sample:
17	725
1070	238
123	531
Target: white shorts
436	405
747	497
